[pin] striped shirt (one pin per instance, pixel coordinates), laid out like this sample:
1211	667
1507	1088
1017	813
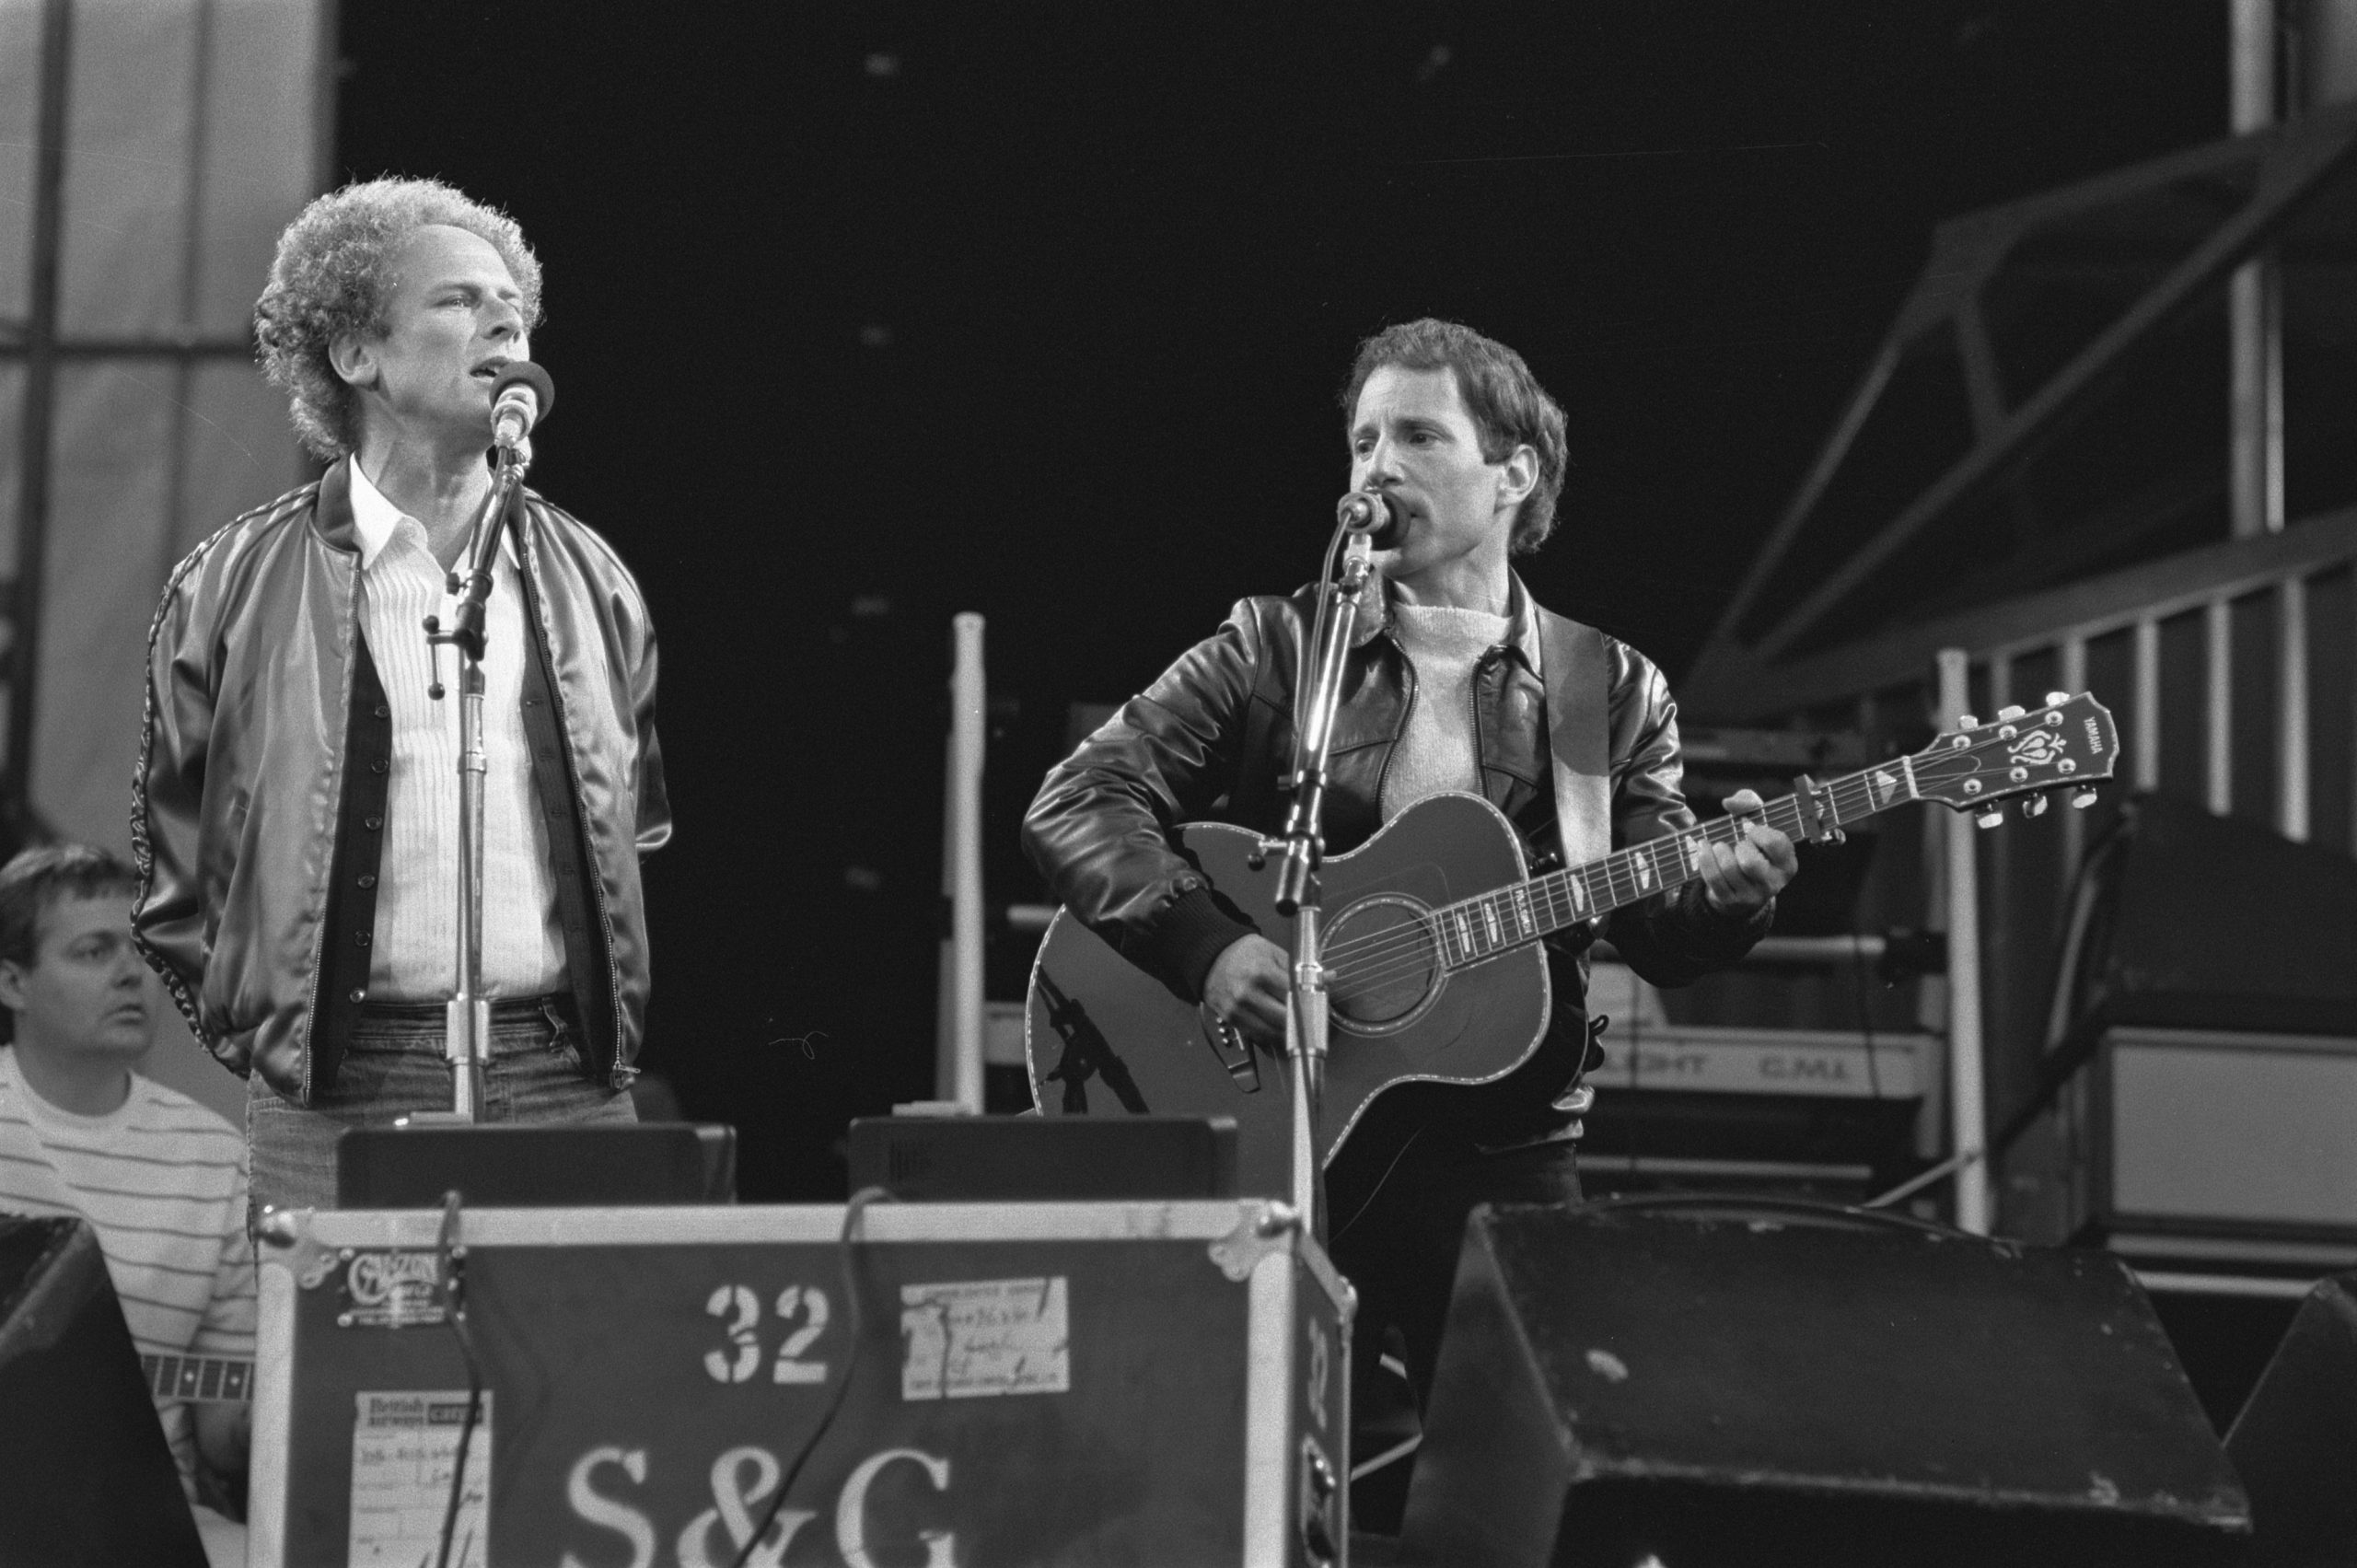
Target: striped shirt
162	1180
414	954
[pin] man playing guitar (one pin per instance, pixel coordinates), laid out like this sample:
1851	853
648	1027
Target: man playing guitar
1447	689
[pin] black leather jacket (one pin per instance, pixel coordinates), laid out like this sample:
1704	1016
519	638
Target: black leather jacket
1209	739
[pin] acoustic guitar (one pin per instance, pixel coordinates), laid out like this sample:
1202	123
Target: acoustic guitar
1435	974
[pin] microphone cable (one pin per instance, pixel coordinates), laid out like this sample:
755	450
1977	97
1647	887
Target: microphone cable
452	1254
852	1214
1301	675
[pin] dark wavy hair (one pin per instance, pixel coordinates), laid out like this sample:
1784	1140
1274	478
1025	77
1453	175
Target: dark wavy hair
37	878
1509	407
333	275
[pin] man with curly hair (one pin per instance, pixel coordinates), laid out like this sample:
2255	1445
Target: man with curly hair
295	810
1456	685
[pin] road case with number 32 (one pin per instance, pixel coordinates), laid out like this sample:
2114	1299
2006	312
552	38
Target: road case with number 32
1028	1383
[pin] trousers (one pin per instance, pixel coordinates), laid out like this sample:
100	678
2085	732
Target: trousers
1400	1250
393	1065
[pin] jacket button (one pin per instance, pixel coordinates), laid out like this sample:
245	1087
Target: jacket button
361	937
360	994
377	767
373	823
368	878
383	712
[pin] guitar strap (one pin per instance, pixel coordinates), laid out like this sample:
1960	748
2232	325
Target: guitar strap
1574	667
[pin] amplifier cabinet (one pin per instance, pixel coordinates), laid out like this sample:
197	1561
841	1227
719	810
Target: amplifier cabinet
1031	1384
2212	1134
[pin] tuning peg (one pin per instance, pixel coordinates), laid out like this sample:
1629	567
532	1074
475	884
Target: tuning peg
2009	712
2083	799
2033	806
1990	818
2056	699
1965	721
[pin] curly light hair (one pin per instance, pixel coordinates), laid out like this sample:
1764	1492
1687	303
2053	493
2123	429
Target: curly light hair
1509	407
333	275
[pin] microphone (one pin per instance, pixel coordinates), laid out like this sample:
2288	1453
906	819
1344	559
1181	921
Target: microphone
1372	513
521	395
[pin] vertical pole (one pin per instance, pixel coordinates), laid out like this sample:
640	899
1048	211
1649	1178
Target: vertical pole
198	155
2218	628
2146	764
1932	989
1968	1112
2072	676
2292	708
968	734
2254	302
40	395
326	74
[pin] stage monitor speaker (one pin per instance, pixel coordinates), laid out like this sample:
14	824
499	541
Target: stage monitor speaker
1740	1382
2187	920
86	1476
551	1165
2294	1441
937	1159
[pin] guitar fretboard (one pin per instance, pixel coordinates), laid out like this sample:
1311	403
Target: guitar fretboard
199	1377
1489	923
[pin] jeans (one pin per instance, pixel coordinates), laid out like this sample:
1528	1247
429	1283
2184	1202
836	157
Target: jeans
1399	1251
393	1065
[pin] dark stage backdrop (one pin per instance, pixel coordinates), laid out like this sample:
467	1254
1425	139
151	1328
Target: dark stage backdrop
865	314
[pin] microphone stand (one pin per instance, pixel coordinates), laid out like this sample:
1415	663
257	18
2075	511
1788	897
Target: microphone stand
1304	846
468	1022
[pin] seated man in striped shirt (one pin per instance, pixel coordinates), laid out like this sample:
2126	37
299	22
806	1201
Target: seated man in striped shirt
160	1178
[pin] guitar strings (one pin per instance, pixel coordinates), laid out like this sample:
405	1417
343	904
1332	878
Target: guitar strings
1403	950
1621	885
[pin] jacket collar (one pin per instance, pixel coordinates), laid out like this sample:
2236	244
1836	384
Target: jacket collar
334	516
374	518
1522	621
332	513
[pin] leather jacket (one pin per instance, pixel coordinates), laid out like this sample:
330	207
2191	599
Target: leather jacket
241	779
1210	739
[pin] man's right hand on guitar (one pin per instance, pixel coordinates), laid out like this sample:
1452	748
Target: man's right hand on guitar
1248	986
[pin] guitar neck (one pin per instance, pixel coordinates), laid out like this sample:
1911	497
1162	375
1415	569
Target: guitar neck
200	1378
1474	928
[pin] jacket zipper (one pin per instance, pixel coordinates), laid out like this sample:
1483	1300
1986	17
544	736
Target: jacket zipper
1383	774
1480	737
595	878
318	944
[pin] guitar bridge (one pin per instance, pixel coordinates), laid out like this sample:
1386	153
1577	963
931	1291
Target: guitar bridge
1235	1053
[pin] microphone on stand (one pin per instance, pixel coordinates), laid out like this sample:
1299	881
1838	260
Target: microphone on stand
1374	516
521	395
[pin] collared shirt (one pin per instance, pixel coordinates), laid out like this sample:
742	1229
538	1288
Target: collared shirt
414	949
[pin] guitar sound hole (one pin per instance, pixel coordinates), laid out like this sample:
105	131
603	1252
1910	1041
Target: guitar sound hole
1383	963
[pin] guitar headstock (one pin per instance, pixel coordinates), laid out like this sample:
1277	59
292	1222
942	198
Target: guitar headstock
2069	745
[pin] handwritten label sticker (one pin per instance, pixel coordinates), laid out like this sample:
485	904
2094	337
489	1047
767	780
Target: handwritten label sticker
976	1338
403	1446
